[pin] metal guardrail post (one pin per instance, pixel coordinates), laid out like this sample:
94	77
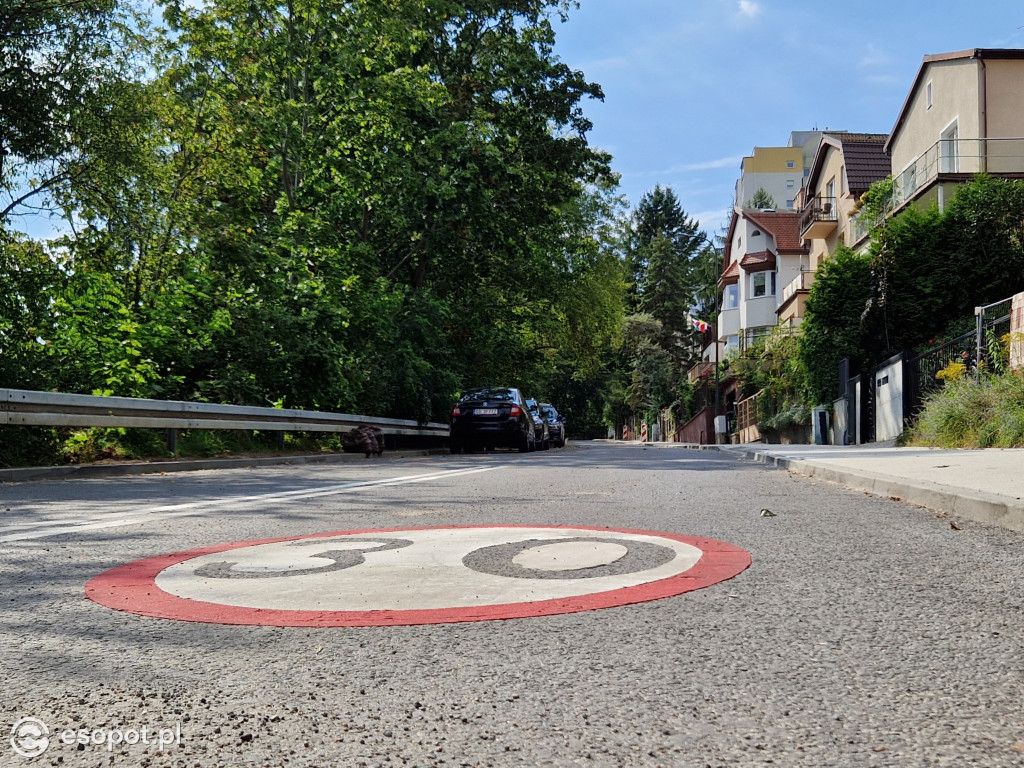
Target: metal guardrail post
172	441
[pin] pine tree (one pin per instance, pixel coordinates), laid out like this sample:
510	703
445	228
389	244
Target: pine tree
663	245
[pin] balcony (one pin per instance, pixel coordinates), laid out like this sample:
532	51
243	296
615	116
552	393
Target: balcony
802	282
728	323
793	299
702	370
959	158
818	217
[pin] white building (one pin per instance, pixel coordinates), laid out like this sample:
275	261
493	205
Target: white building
763	252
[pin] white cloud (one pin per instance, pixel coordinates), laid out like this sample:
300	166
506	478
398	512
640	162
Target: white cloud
885	80
713	220
722	162
749	8
707	165
873	57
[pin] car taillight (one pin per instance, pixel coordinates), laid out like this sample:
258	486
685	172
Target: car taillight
456	412
514	411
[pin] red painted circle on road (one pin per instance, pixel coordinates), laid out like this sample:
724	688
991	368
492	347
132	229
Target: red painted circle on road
133	587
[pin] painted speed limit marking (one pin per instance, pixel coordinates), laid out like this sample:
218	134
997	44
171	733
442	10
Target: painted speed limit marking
403	576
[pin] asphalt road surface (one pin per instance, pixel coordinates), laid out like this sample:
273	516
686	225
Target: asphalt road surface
865	632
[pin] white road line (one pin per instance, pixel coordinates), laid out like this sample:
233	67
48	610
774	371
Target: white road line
45	528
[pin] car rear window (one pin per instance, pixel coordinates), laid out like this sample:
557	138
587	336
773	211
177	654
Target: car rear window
489	394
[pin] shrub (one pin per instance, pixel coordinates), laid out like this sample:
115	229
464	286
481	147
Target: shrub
965	414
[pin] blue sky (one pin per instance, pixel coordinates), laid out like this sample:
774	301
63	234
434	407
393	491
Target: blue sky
691	86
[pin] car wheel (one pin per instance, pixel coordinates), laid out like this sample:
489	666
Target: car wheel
524	444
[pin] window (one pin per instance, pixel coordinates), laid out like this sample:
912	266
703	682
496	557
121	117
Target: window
842	179
790	183
949	151
762	284
755	233
791	164
731	297
789	203
928	95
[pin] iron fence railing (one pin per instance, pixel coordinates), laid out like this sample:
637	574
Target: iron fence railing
992	324
818	208
972	353
967	156
926	366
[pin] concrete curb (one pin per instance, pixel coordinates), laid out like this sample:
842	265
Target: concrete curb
988	508
87	471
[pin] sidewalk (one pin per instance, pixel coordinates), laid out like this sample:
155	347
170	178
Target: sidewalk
982	485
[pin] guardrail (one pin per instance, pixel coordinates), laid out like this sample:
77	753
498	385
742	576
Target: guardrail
54	409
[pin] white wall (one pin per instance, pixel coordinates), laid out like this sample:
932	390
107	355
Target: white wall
728	323
889	402
775	184
755	313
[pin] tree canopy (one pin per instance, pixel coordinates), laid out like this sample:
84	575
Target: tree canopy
363	208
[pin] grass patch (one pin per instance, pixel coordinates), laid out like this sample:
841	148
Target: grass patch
963	414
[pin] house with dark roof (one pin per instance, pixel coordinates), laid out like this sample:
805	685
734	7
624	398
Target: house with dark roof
845	165
964	115
763	251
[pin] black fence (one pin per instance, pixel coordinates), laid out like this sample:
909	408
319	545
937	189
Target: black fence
984	349
925	368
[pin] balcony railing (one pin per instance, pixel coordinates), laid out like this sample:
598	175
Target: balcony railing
818	217
860	227
701	370
965	156
802	282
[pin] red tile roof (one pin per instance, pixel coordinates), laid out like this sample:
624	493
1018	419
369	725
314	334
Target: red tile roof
758	262
730	276
784	227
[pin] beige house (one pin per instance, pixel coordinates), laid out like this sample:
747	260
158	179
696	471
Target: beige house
844	167
964	115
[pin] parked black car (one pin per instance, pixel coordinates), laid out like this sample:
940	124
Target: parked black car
489	418
556	424
540	425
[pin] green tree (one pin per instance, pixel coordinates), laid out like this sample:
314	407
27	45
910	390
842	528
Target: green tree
364	209
762	199
836	323
651	369
65	69
775	368
27	324
984	229
357	159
